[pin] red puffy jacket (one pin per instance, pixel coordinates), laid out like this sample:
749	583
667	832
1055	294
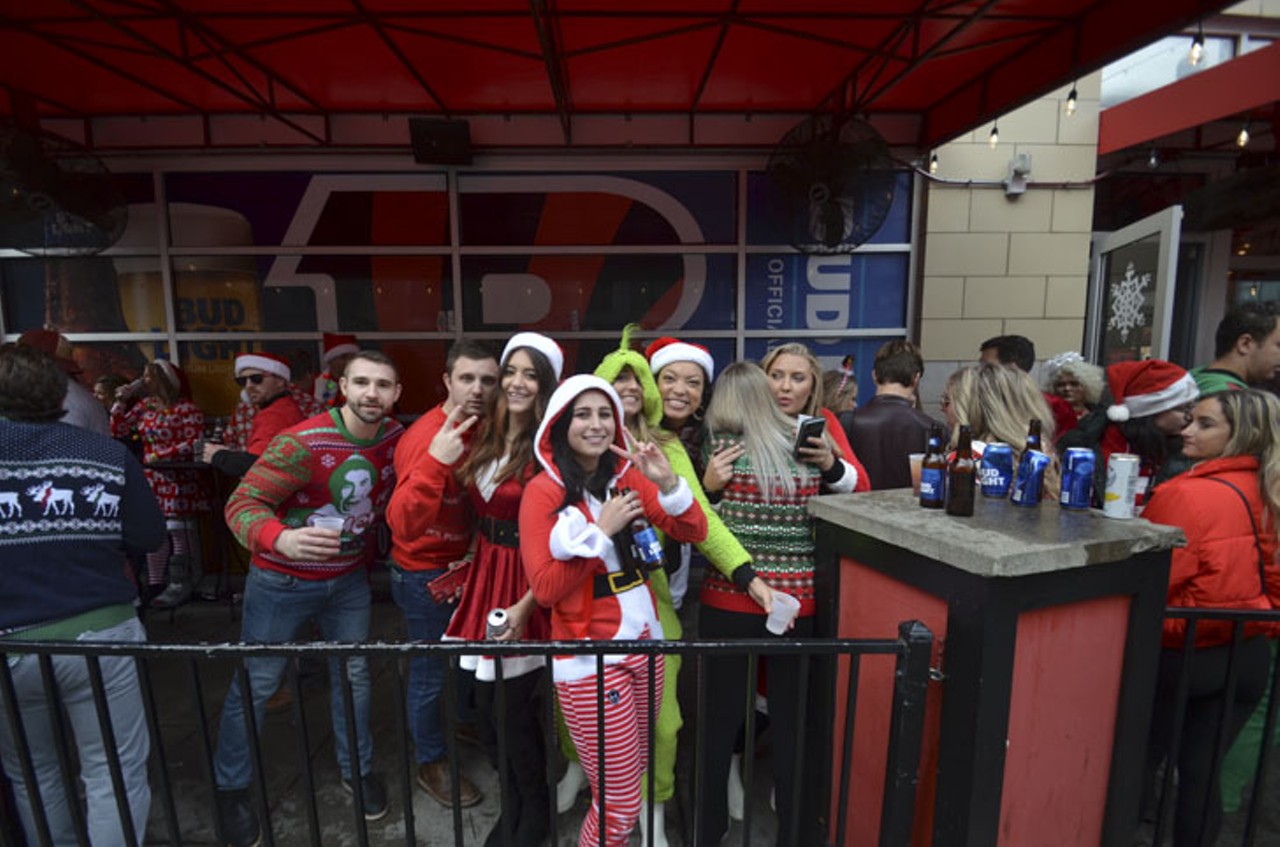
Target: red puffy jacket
1218	569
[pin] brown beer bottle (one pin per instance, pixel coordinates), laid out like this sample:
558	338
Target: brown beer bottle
962	474
1033	435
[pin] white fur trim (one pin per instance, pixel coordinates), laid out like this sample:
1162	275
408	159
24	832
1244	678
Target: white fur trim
680	351
334	352
573	536
679	500
1119	413
539	342
268	364
1180	393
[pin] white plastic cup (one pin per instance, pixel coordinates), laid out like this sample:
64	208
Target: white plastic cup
785	609
332	522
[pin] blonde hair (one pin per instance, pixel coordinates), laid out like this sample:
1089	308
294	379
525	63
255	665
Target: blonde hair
743	405
1254	418
815	402
998	402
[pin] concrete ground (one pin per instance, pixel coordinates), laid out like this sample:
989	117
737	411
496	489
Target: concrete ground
282	743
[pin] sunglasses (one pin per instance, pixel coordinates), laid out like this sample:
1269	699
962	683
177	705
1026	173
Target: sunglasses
256	379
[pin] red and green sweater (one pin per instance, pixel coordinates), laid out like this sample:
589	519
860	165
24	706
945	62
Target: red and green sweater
778	534
316	468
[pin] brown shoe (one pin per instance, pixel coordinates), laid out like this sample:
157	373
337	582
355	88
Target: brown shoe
281	701
434	778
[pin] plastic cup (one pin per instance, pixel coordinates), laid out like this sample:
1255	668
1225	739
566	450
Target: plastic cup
785	609
332	522
917	461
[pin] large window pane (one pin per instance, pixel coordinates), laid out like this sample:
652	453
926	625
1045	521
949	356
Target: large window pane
600	292
91	294
765	227
826	293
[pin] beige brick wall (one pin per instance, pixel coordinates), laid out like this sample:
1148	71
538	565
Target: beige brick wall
996	265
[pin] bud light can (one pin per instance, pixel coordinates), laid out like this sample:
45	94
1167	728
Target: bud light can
1077	478
1122	485
648	546
1030	478
995	474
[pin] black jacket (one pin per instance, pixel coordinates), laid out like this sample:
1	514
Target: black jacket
884	433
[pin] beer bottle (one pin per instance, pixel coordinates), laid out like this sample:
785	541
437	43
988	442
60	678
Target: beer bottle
933	472
962	476
1033	435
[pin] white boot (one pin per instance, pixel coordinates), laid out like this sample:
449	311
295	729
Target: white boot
659	825
569	786
736	797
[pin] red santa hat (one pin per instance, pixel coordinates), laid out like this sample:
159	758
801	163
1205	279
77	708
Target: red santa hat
666	350
1146	388
338	344
264	362
539	342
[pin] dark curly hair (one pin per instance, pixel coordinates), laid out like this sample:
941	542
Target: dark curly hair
32	385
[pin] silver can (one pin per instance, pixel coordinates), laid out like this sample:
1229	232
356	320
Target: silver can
496	625
1122	485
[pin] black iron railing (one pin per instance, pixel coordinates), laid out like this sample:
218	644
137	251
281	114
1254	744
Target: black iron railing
1250	830
168	662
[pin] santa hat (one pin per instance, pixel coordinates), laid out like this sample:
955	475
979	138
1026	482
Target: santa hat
538	342
664	351
1146	388
51	342
175	376
263	362
338	344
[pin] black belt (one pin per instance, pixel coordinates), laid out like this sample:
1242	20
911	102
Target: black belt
502	533
607	584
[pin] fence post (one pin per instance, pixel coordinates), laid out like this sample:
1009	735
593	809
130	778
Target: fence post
906	730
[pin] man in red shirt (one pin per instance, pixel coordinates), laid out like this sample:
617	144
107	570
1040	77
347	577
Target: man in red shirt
424	544
264	379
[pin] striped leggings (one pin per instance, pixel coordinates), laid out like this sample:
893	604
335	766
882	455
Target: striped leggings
625	735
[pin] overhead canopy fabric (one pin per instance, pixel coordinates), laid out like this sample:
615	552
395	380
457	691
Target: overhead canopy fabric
678	73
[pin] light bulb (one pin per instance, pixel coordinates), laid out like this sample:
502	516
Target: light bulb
933	163
1153	161
1242	140
1072	97
1197	49
994	138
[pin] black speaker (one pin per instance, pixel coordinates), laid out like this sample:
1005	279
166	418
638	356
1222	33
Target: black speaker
439	141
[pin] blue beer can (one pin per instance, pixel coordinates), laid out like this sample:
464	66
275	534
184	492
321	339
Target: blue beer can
995	473
1077	478
648	547
1030	478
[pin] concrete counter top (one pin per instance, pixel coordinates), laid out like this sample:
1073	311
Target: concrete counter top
1000	539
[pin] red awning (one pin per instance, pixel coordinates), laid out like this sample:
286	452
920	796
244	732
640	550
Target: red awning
660	73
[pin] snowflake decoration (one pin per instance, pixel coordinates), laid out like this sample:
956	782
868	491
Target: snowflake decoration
1127	301
328	460
303	498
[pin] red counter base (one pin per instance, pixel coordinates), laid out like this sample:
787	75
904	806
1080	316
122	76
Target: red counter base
1036	732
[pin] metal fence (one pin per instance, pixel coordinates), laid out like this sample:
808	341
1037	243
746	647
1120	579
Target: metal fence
186	669
1195	685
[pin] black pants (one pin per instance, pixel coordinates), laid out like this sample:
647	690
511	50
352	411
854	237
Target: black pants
519	755
723	682
1199	794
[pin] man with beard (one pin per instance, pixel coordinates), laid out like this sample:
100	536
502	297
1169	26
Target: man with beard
425	542
336	465
264	381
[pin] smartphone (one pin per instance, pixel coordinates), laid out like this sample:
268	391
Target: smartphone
811	426
444	587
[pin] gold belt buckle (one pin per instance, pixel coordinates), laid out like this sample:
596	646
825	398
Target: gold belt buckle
616	577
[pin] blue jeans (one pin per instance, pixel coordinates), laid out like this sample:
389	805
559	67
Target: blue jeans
425	620
128	723
275	606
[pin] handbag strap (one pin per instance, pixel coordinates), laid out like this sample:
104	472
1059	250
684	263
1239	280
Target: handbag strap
1257	541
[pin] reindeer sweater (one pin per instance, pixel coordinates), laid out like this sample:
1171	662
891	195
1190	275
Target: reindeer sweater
74	505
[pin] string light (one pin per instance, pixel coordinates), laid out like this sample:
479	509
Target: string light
994	138
1072	98
1197	47
1153	161
1242	140
933	163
